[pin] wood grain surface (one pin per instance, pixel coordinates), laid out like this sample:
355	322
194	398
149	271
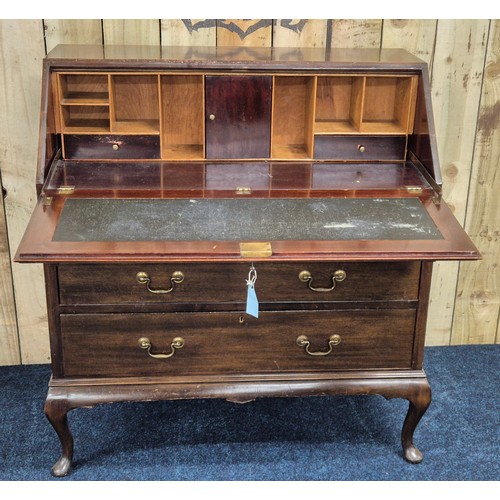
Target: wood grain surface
477	300
22	52
456	88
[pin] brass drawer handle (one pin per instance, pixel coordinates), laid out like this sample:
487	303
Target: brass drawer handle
144	279
337	276
303	341
145	343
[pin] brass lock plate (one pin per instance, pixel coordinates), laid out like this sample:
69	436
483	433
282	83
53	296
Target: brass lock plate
256	249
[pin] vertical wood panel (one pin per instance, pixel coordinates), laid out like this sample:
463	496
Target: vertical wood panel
22	51
356	33
9	342
87	31
478	293
456	87
131	31
300	32
417	36
187	32
244	32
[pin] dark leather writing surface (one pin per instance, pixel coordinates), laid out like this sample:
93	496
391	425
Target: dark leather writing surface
85	219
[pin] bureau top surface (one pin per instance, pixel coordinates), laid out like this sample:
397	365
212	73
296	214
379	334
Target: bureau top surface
224	57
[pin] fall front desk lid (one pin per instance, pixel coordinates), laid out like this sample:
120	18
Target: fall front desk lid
103	219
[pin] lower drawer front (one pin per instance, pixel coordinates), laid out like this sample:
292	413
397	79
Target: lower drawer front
230	343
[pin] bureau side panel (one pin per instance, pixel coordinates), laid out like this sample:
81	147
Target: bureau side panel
52	293
421	320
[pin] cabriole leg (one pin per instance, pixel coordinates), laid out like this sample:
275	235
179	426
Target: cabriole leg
56	411
418	406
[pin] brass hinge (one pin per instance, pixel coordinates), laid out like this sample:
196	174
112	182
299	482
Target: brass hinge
65	190
243	190
437	198
47	200
414	189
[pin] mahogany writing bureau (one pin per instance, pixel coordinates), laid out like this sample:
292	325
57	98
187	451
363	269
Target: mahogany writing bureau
174	181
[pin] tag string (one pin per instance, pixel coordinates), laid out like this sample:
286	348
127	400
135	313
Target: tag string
252	276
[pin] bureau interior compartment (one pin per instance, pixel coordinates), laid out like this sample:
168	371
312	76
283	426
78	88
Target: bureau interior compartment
85	118
304	108
135	104
91	89
339	104
182	109
84	100
378	105
292	120
387	105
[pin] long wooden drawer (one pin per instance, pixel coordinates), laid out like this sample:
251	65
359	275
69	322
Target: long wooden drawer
358	147
116	345
215	283
112	147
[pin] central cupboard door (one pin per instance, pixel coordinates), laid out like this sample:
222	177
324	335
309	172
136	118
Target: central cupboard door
238	116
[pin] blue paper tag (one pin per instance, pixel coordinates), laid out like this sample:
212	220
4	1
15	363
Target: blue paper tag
252	302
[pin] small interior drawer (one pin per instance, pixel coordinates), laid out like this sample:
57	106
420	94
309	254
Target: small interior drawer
214	283
110	147
359	147
223	343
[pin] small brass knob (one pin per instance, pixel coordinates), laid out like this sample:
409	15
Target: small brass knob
116	147
211	117
361	148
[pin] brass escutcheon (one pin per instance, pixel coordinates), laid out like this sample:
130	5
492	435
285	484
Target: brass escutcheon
306	277
145	343
303	341
144	279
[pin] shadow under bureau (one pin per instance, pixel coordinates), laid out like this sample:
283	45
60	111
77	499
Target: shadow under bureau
237	223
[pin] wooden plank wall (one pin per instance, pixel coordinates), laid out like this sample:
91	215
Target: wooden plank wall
464	62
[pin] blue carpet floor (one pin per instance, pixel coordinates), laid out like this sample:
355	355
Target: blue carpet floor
327	439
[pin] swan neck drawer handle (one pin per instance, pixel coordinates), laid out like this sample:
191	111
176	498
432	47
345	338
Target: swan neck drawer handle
303	341
145	343
144	279
306	277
